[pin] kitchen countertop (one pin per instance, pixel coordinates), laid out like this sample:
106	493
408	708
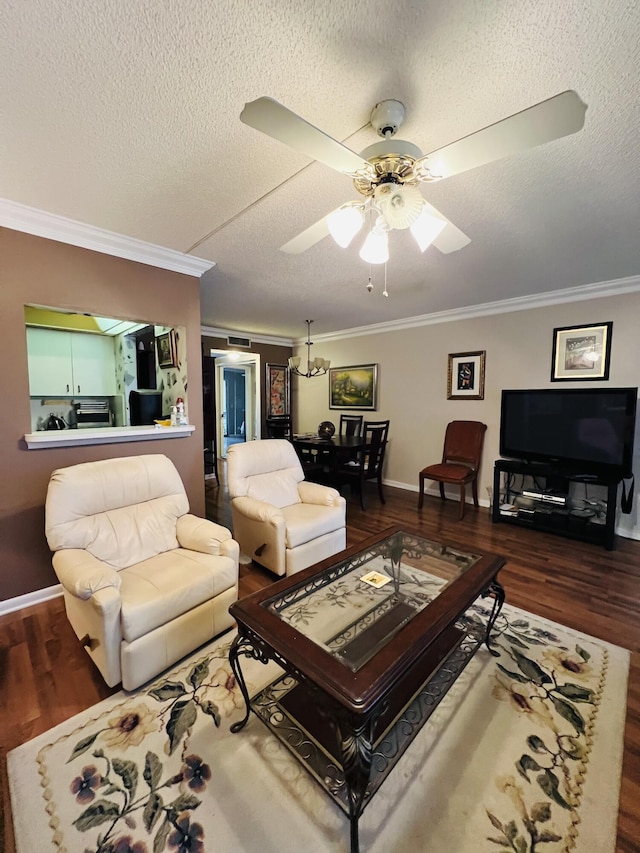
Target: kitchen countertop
103	435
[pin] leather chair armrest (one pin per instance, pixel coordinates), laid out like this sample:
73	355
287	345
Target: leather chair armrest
258	510
200	534
81	574
315	493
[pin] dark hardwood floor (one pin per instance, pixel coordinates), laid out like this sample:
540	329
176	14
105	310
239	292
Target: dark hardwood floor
46	677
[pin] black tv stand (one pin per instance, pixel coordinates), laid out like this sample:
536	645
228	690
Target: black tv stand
544	502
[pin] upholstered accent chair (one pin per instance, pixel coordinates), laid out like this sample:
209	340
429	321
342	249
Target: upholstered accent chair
281	520
144	581
460	465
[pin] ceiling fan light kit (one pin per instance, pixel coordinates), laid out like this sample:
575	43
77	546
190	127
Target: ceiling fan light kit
375	249
388	173
345	222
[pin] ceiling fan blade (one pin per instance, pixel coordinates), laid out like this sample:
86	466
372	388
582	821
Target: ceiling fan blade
451	238
552	119
308	238
274	119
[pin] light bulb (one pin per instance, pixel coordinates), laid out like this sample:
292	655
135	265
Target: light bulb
344	223
375	249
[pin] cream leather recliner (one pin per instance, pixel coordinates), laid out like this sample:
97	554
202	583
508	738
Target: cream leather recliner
144	581
280	520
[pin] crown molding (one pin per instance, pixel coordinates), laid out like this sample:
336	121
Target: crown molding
597	290
213	332
19	217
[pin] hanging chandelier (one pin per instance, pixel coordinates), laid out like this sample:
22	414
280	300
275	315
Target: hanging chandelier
315	366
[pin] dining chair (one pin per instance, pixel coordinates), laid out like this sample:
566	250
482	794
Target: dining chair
278	427
351	425
461	457
369	461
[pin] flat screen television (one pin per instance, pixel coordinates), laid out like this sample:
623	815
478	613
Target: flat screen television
578	431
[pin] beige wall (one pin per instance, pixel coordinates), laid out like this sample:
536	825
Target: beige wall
413	379
45	272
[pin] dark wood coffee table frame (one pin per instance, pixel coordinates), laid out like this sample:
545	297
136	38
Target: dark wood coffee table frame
360	722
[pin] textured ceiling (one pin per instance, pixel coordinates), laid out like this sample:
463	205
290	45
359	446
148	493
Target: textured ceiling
124	114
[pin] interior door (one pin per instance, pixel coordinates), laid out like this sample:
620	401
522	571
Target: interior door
237	389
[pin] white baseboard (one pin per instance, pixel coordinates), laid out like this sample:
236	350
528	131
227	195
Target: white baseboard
433	491
29	599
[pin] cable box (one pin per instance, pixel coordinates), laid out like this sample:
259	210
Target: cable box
549	497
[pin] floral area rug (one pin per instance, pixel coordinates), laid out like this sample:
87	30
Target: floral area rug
523	754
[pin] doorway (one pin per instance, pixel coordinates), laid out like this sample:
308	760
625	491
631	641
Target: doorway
237	388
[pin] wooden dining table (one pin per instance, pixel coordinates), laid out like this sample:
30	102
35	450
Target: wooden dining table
330	452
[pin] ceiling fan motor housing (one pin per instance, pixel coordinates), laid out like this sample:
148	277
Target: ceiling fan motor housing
386	117
392	160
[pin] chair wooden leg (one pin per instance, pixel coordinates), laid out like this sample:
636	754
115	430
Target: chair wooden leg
474	492
421	494
462	503
380	493
362	494
441	491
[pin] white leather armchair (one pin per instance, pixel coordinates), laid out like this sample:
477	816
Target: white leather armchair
280	520
144	581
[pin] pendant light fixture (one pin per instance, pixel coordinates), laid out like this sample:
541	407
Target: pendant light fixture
315	367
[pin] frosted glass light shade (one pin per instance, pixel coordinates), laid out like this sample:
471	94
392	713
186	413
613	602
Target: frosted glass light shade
294	361
344	223
375	249
426	228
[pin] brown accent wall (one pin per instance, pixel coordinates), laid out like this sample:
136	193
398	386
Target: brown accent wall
269	354
39	271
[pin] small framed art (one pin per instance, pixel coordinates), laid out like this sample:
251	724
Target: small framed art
581	352
166	348
354	387
465	376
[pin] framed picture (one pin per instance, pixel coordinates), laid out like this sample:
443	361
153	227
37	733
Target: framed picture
581	352
166	348
354	387
278	391
465	379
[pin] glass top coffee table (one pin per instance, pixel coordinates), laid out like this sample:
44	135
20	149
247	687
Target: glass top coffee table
370	641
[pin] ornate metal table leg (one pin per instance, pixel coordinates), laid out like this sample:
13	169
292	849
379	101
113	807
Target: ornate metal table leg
497	591
241	646
356	747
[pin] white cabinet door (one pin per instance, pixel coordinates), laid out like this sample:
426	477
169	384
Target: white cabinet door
94	365
70	364
49	354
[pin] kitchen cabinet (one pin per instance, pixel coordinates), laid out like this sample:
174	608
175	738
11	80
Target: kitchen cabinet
72	364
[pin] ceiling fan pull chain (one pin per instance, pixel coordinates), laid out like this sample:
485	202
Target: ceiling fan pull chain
370	283
385	292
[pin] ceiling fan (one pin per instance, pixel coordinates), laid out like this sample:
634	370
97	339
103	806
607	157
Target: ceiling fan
387	174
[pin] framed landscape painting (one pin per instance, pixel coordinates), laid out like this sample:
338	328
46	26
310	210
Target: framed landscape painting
354	387
465	376
581	352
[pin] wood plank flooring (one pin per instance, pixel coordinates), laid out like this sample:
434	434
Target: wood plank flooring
46	677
